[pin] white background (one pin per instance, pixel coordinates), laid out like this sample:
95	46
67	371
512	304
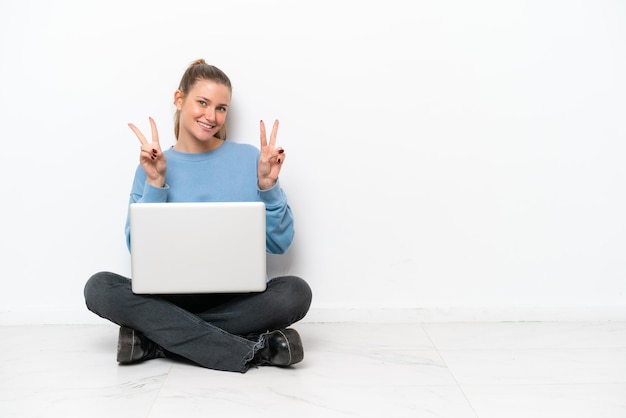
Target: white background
442	156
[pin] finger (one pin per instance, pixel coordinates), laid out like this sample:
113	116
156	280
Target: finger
149	151
137	132
263	135
274	133
275	155
155	133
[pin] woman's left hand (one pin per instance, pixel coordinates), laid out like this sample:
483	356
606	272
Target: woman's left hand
271	160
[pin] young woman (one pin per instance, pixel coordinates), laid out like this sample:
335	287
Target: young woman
231	332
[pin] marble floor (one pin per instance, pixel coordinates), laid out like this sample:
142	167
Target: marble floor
485	370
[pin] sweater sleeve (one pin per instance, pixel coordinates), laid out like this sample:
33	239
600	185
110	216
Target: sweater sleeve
279	220
143	192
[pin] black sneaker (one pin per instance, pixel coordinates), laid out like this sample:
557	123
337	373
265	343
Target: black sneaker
281	348
133	346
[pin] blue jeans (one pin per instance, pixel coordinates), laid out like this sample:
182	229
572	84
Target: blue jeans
217	331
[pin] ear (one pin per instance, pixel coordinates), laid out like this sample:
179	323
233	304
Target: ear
178	99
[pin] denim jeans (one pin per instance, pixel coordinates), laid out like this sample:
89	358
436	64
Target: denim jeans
217	331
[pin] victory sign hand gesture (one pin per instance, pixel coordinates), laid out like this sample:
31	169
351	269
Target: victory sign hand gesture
151	158
271	159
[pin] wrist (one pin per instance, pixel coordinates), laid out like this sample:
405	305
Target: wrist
158	182
266	184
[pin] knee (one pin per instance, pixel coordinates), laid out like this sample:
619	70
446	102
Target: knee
94	286
304	291
98	289
297	292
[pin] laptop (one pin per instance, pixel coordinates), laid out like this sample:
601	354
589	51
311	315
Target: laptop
197	247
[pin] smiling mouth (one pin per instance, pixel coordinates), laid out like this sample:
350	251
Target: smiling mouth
206	126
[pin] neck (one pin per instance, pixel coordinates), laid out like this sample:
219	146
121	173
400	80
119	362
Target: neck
193	146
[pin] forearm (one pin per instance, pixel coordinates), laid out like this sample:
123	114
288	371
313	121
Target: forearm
279	220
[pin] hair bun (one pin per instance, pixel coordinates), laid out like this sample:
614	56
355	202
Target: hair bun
199	61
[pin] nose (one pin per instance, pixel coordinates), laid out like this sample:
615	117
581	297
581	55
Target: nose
210	113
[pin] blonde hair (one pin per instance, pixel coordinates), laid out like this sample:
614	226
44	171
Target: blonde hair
200	70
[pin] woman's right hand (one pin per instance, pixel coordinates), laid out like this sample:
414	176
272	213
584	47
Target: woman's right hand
151	158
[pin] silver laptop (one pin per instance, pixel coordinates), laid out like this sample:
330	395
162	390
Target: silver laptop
211	247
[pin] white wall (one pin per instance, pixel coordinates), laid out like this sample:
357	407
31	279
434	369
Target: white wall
443	156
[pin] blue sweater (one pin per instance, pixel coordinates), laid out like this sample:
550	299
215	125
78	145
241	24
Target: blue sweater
226	174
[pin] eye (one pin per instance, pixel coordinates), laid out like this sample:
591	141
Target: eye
221	108
202	103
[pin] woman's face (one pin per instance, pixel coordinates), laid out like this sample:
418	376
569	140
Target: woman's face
203	111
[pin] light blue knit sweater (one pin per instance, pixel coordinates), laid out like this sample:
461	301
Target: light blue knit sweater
227	174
